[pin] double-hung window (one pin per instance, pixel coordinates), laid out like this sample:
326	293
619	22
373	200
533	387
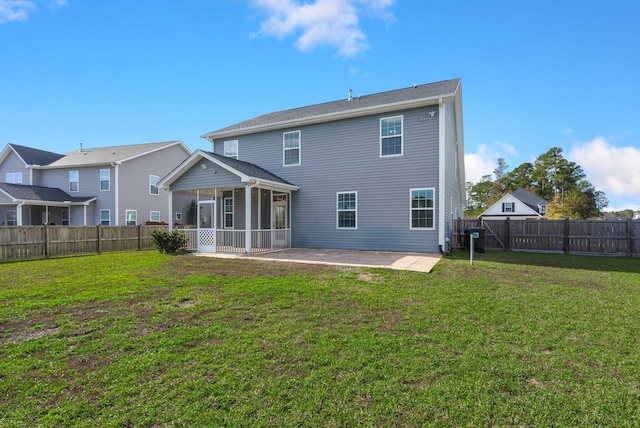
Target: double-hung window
422	208
391	136
508	207
291	148
74	181
105	217
153	184
231	149
347	210
14	177
11	218
131	217
228	213
105	179
154	216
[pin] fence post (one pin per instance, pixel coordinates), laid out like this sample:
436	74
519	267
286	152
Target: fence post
99	239
565	244
139	236
629	240
507	234
46	241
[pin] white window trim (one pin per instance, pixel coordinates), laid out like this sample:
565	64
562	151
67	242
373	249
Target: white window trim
237	154
178	216
14	221
401	136
154	185
510	205
74	181
284	149
338	210
108	219
10	177
224	212
108	180
126	217
411	209
151	216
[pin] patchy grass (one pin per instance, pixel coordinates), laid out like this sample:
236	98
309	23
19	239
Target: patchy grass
144	339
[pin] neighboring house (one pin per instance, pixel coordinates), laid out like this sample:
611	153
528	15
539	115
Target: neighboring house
520	204
376	172
108	185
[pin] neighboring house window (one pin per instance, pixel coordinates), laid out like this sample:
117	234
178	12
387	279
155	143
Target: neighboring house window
105	179
231	149
11	218
391	136
154	216
347	208
508	207
178	216
132	217
64	217
228	213
74	181
291	148
542	209
153	184
422	209
105	217
14	177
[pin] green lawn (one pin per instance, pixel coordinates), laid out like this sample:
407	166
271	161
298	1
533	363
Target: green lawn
144	339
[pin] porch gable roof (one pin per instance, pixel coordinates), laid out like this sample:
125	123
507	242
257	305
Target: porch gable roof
40	195
247	172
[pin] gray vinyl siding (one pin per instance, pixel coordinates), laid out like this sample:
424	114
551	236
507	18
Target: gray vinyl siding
453	199
345	156
12	163
198	178
133	182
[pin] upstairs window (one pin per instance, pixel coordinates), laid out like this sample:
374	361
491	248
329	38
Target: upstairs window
347	210
508	207
14	177
74	181
422	209
391	136
231	149
105	179
542	209
153	184
291	148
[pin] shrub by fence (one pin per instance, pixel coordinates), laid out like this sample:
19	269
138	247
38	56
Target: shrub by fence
596	237
34	242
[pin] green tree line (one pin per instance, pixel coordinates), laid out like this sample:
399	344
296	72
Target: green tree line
550	176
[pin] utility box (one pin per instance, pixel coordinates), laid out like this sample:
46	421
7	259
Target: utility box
478	238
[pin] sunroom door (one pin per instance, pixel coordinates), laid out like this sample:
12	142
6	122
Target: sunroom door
206	227
280	221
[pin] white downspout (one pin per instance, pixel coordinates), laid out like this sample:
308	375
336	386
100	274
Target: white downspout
441	161
116	193
170	211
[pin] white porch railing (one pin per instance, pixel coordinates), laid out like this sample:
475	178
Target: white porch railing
233	241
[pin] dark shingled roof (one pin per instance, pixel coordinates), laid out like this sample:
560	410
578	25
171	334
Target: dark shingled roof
530	199
249	169
429	91
35	156
40	193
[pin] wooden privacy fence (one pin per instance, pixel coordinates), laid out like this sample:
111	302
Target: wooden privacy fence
596	237
35	242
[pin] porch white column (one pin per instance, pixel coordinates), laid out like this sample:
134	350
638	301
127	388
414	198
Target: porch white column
170	211
247	219
19	214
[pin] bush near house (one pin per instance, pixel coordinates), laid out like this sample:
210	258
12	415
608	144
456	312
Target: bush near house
169	242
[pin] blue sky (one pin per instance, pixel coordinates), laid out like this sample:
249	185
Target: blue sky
535	74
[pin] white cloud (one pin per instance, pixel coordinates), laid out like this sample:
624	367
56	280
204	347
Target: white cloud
615	170
15	10
20	10
322	23
479	164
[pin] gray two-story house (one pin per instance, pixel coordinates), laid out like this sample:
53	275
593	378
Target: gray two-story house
375	172
108	185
